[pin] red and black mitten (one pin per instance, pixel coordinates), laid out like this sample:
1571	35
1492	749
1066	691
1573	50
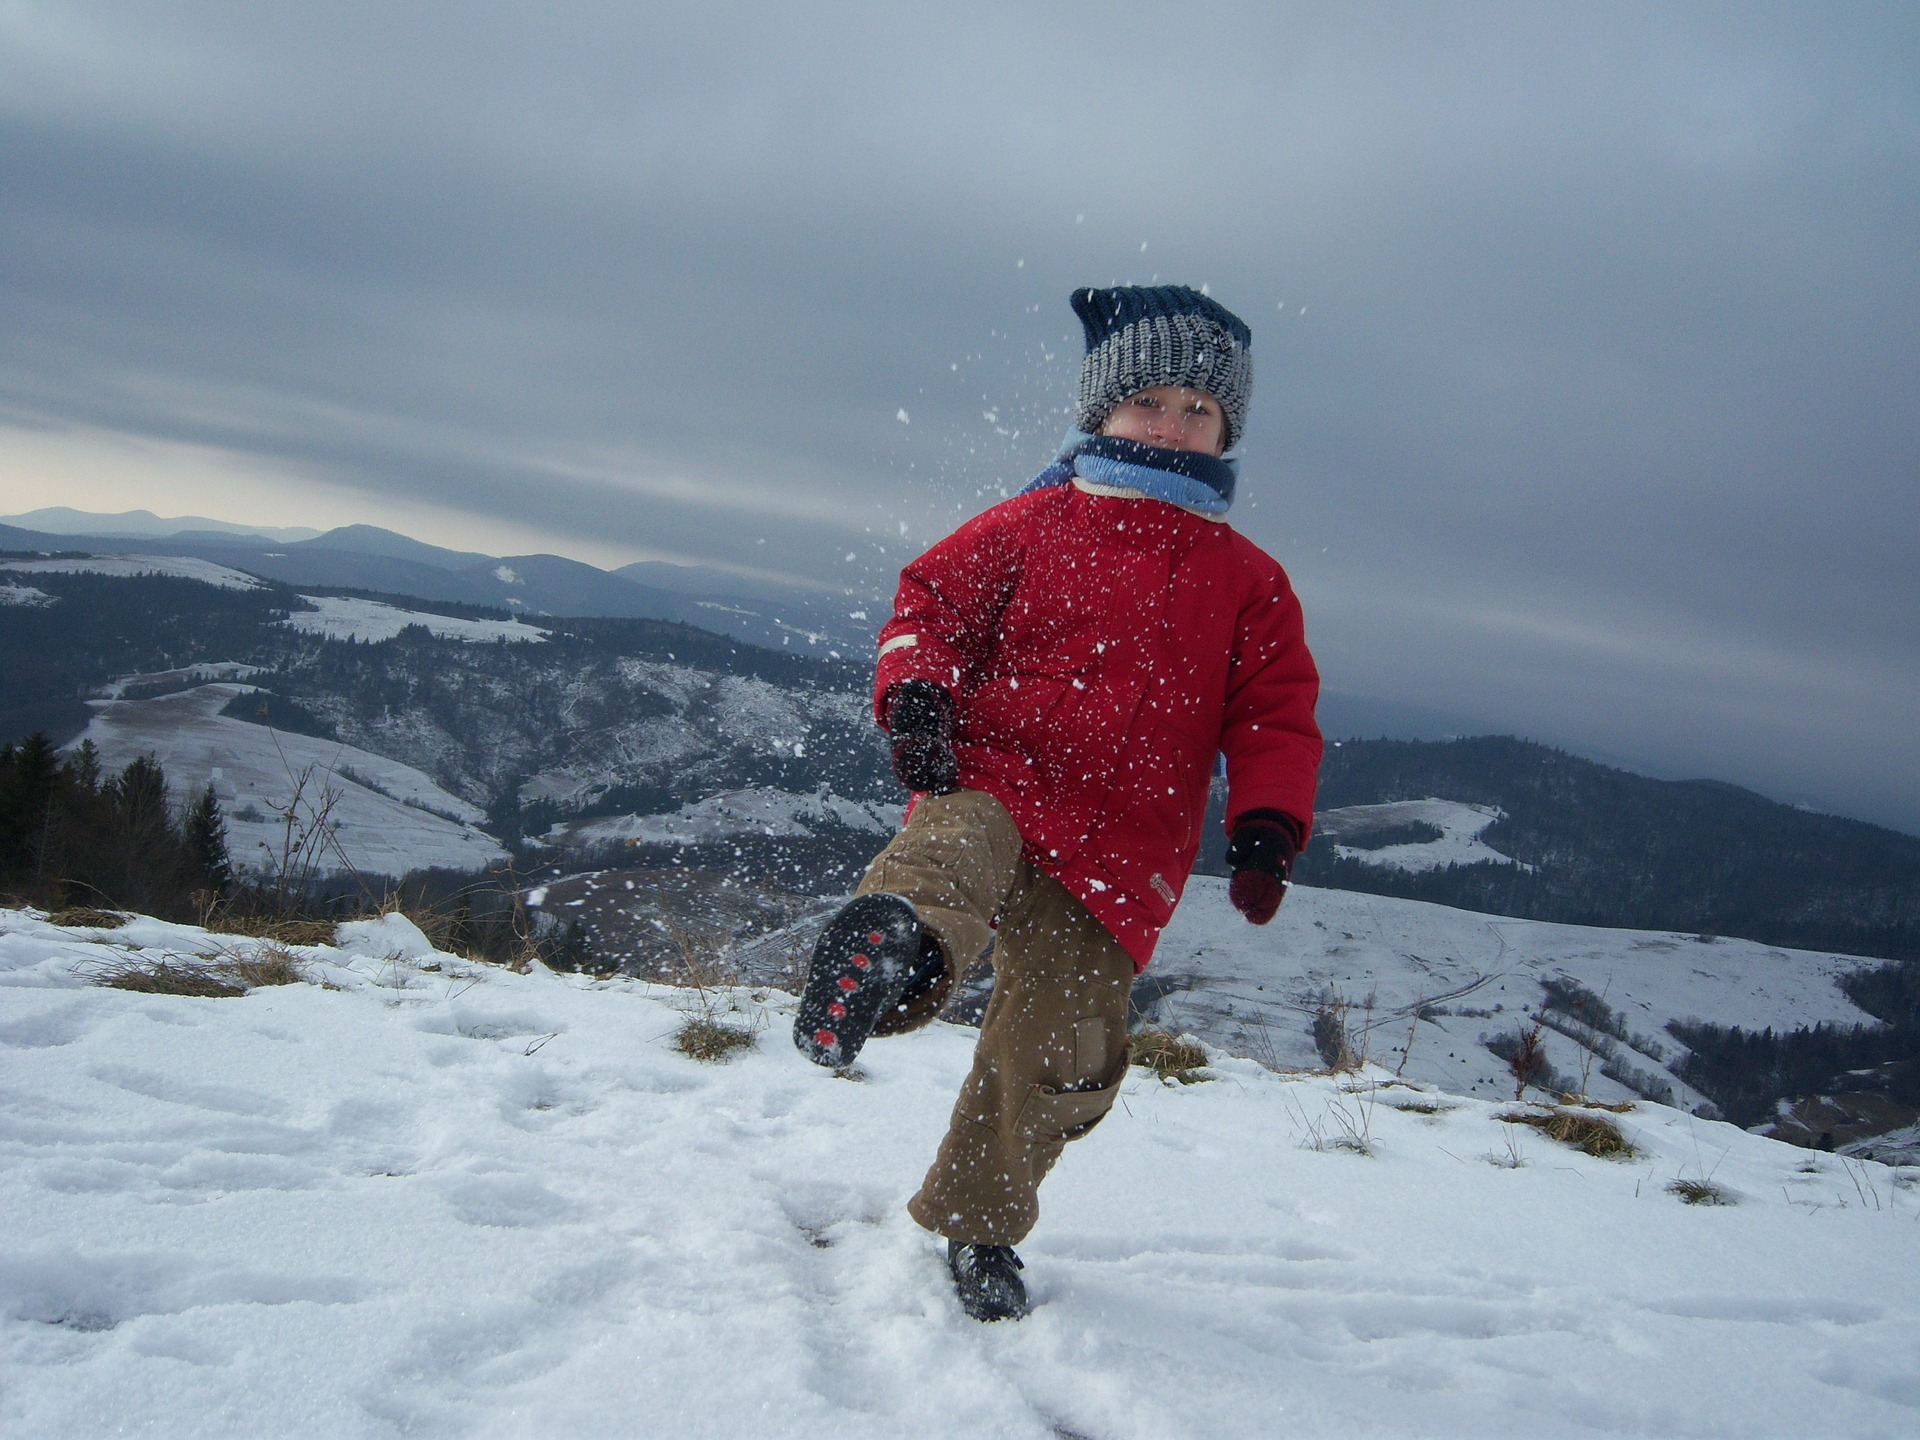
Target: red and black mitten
1260	852
920	720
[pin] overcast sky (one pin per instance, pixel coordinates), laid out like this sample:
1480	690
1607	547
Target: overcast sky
1587	336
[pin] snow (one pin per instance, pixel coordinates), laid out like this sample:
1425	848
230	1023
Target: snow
1256	988
387	818
183	567
420	1196
1460	842
181	677
346	617
735	812
23	595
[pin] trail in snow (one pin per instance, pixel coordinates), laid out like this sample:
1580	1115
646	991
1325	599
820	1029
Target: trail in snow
442	1199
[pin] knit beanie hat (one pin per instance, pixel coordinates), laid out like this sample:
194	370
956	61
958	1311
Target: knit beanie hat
1139	336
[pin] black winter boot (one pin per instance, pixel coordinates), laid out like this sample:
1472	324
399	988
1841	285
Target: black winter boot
988	1279
861	964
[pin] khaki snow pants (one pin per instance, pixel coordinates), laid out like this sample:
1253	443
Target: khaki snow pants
1053	1044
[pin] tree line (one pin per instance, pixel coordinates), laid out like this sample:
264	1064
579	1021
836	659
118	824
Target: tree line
73	836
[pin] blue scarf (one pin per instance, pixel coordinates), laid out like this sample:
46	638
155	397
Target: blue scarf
1186	478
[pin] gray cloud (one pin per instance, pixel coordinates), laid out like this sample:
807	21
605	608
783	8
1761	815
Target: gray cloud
1585	334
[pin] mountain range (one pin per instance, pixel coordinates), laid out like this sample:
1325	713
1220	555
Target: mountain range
383	562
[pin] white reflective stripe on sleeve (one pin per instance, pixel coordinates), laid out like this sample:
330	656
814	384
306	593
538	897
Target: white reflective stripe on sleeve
898	642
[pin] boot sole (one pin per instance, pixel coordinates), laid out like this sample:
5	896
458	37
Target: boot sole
860	965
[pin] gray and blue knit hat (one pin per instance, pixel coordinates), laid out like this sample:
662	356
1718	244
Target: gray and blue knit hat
1139	336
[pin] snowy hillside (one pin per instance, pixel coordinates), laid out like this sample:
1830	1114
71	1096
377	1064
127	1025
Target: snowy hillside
738	812
1470	977
183	567
385	818
1355	831
420	1197
348	617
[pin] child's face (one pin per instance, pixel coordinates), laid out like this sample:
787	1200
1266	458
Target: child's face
1171	417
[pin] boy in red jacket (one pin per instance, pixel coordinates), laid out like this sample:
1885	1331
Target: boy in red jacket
1057	678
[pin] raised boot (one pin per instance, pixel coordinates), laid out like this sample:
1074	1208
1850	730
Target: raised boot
864	960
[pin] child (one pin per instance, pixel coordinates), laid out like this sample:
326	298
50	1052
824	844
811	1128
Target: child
1057	677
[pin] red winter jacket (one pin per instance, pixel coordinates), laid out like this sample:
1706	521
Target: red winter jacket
1101	650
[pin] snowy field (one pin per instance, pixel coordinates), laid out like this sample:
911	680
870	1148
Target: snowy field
23	595
387	818
1255	989
184	567
1460	825
345	617
420	1197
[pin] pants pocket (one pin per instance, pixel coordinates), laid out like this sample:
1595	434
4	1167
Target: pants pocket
1061	1115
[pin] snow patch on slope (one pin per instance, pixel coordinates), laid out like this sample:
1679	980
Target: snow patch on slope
346	617
1471	976
1459	843
23	595
445	1199
386	818
183	567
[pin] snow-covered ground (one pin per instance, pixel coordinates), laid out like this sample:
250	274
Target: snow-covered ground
345	617
1255	989
446	1200
1460	825
184	567
736	812
387	818
180	677
23	595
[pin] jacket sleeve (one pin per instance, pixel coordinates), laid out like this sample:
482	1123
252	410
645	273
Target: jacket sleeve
1270	738
946	615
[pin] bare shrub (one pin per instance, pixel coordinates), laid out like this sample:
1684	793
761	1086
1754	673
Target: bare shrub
1346	1123
1331	1036
1525	1051
710	971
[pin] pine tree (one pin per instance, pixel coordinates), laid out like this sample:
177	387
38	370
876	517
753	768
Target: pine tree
206	838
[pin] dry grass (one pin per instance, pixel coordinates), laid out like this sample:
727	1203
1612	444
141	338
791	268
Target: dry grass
83	917
169	977
269	965
699	1038
280	932
1595	1135
1173	1058
205	977
1700	1192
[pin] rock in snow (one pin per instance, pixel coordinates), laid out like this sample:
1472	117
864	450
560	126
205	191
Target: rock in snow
420	1196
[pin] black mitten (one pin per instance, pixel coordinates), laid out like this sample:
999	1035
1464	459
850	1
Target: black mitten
1260	852
920	720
